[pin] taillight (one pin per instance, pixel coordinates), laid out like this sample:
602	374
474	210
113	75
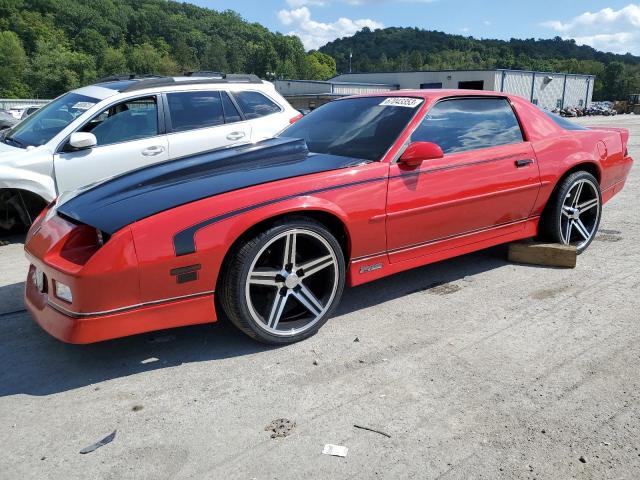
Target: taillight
296	118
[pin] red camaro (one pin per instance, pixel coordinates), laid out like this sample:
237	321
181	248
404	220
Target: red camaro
359	189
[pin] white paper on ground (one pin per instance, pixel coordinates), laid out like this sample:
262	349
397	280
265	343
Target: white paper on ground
335	450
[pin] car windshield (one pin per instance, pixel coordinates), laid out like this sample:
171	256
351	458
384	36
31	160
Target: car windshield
48	121
363	128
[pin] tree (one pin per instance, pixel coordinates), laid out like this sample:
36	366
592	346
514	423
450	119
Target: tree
13	62
614	81
415	60
114	61
214	57
55	69
147	59
320	66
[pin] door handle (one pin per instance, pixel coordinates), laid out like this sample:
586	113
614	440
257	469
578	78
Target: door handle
235	135
523	163
153	151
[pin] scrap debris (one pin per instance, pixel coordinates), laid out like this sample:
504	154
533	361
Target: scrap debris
280	427
335	450
372	430
101	443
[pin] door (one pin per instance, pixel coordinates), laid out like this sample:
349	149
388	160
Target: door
199	121
487	178
129	137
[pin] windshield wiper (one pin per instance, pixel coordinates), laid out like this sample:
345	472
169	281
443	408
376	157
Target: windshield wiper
14	141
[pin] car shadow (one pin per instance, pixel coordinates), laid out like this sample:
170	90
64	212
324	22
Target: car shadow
35	363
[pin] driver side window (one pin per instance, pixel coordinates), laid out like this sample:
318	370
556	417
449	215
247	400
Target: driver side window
131	120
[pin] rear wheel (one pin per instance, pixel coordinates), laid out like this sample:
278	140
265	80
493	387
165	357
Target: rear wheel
574	215
282	285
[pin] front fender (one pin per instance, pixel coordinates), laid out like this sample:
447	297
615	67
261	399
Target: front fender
30	181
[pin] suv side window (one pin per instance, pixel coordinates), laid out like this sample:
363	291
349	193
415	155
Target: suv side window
131	120
255	104
193	110
231	113
459	125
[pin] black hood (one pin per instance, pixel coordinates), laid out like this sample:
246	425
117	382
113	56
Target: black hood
122	200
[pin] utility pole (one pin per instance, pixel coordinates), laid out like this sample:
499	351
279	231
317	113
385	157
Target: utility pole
350	57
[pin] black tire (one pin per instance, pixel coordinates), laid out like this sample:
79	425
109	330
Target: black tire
553	216
233	287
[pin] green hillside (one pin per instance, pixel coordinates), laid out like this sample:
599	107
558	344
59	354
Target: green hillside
50	46
392	49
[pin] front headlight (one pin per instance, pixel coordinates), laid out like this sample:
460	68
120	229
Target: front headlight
63	292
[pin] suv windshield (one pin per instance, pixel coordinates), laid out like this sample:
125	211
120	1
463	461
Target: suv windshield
363	128
47	122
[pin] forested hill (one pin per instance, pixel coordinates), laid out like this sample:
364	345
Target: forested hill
50	46
392	49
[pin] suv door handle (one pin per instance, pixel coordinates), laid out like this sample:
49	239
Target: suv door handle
523	163
153	151
235	135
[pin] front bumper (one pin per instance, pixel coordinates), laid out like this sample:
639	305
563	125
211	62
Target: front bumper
90	327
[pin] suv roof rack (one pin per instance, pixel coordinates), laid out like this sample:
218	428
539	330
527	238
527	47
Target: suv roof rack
127	76
169	81
204	73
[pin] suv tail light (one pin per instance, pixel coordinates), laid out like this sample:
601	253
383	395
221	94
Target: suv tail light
293	120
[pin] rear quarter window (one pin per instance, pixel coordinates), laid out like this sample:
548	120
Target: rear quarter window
458	125
563	122
255	104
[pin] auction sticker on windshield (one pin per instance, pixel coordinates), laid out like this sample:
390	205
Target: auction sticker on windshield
83	105
401	102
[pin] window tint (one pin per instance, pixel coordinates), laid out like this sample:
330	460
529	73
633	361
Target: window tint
132	120
362	128
50	120
231	113
469	124
563	122
255	104
191	110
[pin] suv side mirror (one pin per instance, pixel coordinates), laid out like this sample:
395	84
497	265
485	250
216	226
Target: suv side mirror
417	152
82	140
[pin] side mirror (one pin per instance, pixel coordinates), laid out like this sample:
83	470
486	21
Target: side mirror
82	140
417	152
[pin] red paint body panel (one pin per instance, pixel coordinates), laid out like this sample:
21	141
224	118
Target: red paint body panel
397	216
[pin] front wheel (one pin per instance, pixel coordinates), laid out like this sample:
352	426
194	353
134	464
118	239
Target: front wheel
574	214
282	285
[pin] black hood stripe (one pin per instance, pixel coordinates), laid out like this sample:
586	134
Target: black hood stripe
184	241
139	194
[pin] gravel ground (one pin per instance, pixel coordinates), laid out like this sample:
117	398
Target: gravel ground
475	367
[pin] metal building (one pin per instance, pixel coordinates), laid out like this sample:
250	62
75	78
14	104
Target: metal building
311	93
549	90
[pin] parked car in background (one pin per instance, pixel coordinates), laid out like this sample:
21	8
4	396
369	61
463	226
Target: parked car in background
23	111
359	189
6	120
29	111
122	124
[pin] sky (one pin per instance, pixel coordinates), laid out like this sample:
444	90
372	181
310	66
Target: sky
608	25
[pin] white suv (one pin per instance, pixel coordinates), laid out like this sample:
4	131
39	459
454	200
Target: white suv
122	124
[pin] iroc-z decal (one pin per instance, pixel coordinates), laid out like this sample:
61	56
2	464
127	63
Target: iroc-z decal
370	268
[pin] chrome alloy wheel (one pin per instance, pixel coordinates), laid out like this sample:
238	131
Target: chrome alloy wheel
292	282
580	214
